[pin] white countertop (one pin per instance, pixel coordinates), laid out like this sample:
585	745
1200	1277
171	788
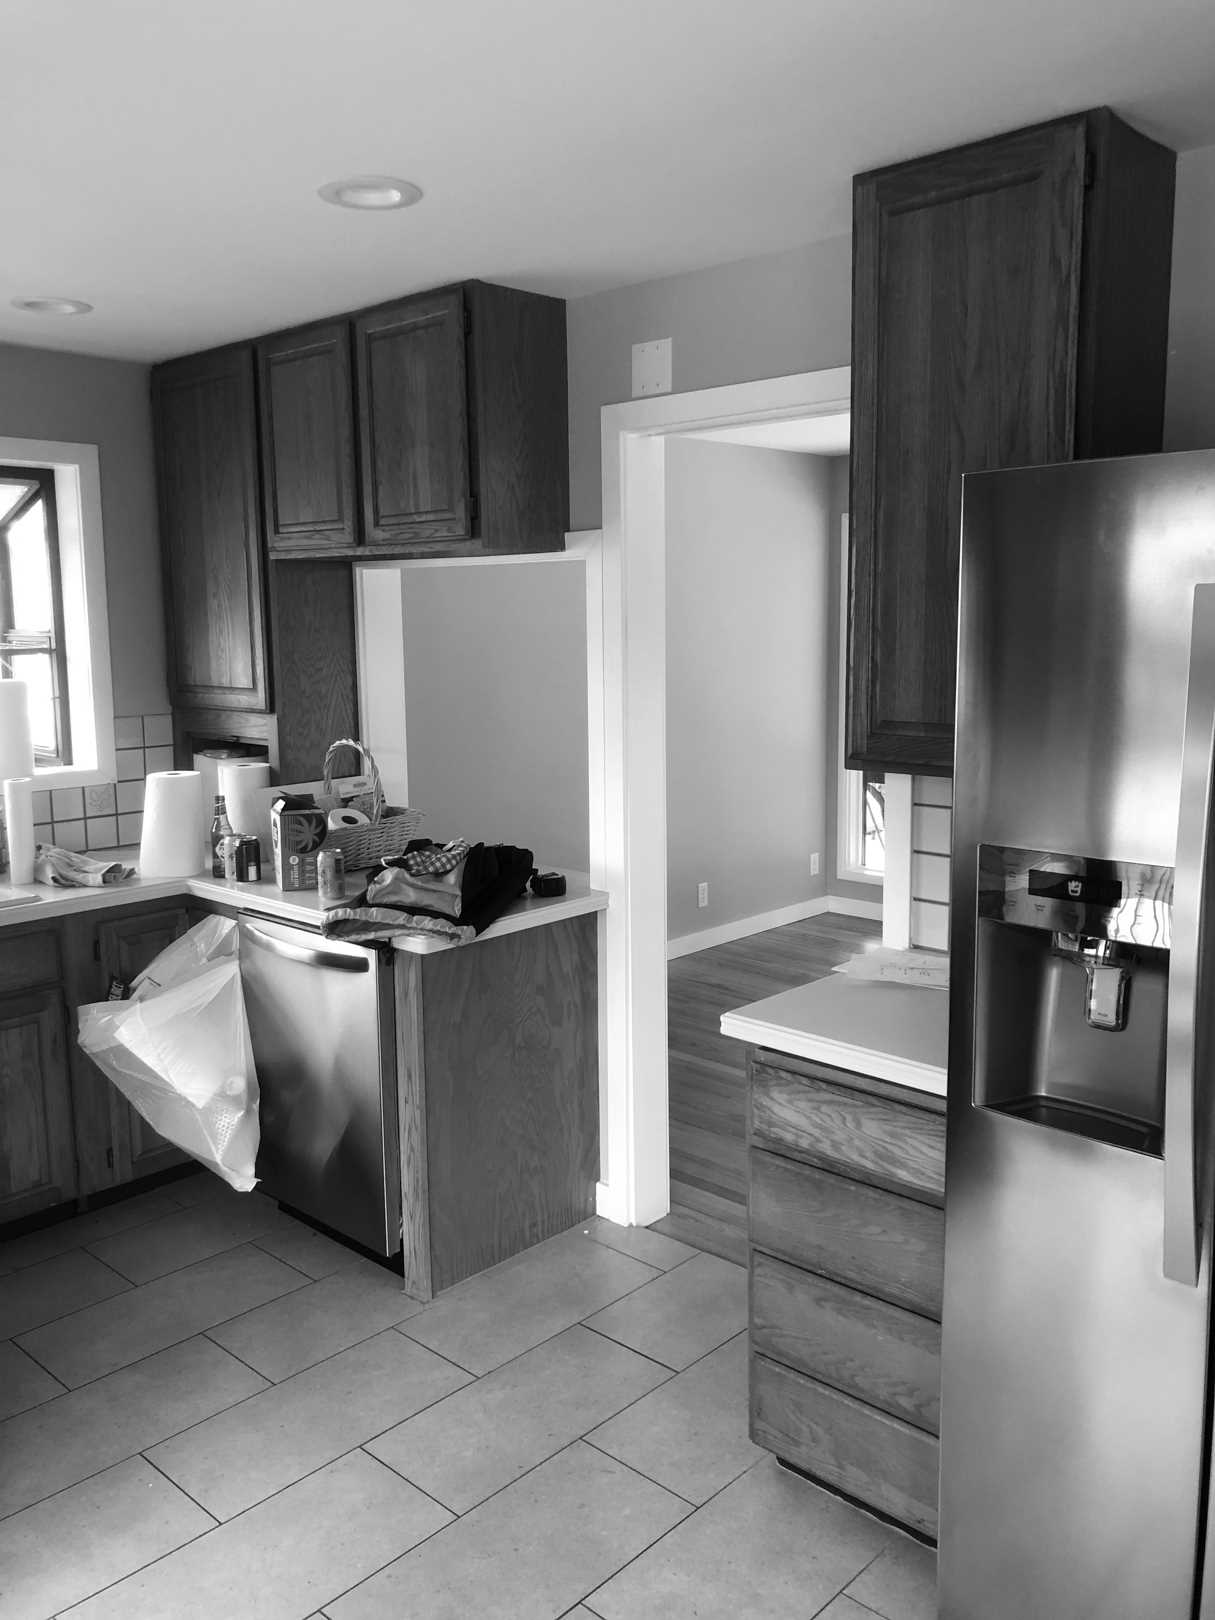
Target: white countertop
37	901
893	1032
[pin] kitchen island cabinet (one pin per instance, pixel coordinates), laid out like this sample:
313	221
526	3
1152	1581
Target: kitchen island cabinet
1010	308
497	1074
846	1229
846	1147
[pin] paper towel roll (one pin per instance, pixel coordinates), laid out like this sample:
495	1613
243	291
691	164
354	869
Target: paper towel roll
207	762
348	818
172	841
16	750
19	821
239	780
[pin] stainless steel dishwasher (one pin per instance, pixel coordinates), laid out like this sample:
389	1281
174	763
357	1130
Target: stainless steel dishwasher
322	1026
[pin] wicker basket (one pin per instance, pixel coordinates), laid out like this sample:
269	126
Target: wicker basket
392	826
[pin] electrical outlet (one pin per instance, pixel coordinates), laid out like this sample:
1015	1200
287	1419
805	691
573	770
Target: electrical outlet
702	894
814	864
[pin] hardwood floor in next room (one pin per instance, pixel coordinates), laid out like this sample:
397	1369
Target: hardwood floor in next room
708	1070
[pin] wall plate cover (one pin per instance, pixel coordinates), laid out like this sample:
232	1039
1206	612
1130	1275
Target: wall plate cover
652	367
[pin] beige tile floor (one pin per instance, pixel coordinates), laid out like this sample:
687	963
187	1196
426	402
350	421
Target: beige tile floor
207	1410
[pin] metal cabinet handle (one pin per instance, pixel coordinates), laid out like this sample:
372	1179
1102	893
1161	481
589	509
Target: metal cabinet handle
1182	1223
307	954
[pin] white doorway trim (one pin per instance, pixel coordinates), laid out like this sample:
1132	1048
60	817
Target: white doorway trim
628	775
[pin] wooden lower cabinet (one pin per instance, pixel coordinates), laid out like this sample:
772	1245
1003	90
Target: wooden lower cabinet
37	1155
846	1277
498	1086
126	946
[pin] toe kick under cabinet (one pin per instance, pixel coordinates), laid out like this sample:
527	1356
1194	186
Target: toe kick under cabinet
846	1238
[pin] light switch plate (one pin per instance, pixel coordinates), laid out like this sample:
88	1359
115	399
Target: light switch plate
652	367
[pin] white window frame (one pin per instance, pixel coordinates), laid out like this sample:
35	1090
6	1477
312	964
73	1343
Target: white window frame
86	628
849	811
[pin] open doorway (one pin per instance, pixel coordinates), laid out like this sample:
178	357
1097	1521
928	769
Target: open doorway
629	762
755	905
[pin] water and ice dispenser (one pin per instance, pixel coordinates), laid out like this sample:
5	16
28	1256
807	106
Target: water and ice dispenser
1071	993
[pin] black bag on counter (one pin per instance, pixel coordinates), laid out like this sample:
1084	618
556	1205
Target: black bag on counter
489	877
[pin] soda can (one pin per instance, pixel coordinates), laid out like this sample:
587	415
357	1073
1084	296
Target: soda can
248	859
331	876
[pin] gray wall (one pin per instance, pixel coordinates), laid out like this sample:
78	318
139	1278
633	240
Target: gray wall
77	399
1190	397
772	316
495	702
747	618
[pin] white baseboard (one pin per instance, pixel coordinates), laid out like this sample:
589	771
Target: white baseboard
855	908
743	927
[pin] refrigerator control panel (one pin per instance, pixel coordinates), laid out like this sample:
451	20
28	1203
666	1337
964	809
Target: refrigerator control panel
1077	894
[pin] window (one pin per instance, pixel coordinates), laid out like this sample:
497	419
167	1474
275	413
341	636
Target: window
861	807
32	644
54	628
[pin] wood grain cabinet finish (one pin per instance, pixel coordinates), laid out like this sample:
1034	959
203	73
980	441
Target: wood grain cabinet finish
462	423
206	449
862	1134
1010	308
413	421
306	409
847	1257
847	1444
37	1155
126	945
498	1098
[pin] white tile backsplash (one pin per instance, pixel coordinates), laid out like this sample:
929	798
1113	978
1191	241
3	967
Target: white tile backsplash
930	878
931	836
930	829
930	925
157	730
932	790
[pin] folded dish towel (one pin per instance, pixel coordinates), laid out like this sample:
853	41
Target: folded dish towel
65	869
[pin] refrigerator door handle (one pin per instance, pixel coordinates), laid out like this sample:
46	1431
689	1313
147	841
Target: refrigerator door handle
1182	1233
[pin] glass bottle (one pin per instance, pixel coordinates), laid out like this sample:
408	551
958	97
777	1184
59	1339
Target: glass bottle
221	828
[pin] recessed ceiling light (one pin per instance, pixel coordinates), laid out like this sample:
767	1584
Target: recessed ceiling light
371	191
52	306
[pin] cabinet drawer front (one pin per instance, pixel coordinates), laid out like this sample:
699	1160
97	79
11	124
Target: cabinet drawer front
864	1452
884	1245
890	1144
881	1354
29	959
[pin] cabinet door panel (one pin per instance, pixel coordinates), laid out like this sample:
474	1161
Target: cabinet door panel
876	1352
206	437
884	1245
890	1144
127	946
850	1446
37	1162
307	441
966	298
413	421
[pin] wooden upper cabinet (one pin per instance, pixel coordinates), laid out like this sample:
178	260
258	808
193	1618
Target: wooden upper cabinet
413	421
1010	308
206	444
307	439
462	422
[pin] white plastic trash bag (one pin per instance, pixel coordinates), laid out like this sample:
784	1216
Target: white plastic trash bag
179	1051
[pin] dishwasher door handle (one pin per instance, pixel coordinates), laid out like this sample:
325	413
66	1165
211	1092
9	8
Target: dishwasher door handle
308	954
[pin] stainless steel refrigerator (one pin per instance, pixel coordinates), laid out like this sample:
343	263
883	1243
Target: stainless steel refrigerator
1076	1379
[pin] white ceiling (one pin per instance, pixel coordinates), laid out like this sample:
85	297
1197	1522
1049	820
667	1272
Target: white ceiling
160	159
